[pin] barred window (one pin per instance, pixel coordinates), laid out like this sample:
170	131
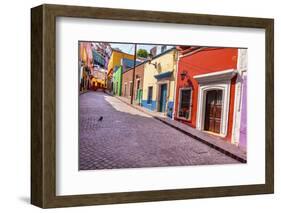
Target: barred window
185	103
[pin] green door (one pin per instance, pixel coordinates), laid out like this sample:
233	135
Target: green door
163	97
139	96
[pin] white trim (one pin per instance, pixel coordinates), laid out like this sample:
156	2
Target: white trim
216	76
202	90
175	86
130	88
190	106
242	71
125	89
236	112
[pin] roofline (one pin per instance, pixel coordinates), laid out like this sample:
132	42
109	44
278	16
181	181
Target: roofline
136	66
120	52
191	52
163	53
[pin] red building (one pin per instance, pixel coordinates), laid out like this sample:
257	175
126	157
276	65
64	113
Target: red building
205	89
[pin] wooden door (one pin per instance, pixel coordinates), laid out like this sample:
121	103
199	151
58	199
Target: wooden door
213	111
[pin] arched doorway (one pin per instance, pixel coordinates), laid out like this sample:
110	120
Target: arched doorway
216	88
213	111
221	94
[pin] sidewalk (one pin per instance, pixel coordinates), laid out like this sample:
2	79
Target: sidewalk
210	140
83	92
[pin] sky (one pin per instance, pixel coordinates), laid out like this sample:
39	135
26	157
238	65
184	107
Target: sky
129	48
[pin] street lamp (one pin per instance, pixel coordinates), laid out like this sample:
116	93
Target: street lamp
149	59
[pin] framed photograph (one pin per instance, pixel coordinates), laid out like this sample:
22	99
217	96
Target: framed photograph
137	106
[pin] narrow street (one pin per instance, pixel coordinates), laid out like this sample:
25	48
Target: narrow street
115	135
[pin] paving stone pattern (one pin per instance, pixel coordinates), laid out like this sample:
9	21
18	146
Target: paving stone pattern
129	138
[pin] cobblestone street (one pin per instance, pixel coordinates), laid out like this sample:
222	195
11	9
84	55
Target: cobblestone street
129	138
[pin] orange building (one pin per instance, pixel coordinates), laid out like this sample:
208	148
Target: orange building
206	89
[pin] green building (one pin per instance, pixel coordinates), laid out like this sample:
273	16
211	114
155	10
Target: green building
117	80
117	74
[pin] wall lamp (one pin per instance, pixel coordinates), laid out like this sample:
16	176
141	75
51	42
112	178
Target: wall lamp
183	75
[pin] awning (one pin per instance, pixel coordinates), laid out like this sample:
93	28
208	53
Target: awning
163	75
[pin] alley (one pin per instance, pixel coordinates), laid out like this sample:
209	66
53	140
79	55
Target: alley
115	135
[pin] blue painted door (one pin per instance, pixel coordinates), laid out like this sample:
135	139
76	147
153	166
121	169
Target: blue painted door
163	97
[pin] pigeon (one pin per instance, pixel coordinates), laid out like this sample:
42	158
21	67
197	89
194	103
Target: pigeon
100	119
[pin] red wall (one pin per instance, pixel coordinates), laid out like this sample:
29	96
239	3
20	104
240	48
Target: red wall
202	62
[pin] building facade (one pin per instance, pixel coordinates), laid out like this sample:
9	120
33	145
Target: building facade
159	49
239	133
127	83
98	71
159	82
126	64
113	64
93	65
98	78
208	97
104	52
117	81
85	65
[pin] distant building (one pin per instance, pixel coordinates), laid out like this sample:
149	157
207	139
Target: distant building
113	64
127	83
85	64
98	78
117	74
104	50
93	63
159	49
101	54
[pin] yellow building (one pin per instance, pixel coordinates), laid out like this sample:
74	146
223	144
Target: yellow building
114	63
84	68
98	79
159	82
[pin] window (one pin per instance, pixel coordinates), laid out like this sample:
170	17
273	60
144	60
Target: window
131	88
149	95
185	104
